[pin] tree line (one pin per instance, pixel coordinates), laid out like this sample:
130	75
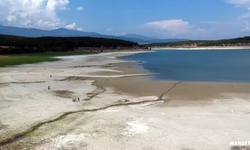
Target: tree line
242	41
18	45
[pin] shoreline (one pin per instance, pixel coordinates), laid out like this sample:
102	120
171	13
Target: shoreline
143	86
203	48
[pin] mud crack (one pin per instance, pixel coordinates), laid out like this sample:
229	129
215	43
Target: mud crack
34	128
72	78
23	82
99	90
169	90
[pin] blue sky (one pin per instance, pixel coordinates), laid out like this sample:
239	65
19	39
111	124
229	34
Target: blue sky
193	19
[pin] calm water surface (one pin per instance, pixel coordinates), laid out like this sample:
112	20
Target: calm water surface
197	65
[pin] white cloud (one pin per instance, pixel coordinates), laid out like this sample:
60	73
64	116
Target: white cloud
247	26
32	13
73	26
11	18
172	26
183	29
216	29
245	16
79	9
240	3
243	19
79	29
243	4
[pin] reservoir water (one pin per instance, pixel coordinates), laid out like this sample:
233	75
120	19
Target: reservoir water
197	65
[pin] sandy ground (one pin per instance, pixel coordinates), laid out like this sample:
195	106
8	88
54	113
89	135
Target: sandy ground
119	108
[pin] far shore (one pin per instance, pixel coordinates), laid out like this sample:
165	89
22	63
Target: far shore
204	48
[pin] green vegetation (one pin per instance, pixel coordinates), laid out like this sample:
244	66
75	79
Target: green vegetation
36	50
243	41
7	60
20	45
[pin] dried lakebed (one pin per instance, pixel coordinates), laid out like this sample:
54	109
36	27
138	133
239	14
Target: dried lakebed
118	109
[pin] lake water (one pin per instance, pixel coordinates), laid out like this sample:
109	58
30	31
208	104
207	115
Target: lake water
197	65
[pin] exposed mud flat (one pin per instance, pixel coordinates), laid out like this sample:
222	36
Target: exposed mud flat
64	94
2	126
118	108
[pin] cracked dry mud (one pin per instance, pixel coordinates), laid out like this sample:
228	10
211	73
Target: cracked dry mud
96	93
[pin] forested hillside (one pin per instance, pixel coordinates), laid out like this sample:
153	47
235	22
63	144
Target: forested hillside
18	45
242	41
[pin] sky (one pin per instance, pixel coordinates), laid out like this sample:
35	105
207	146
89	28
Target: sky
191	19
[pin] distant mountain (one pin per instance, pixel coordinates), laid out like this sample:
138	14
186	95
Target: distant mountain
31	32
147	40
61	32
136	36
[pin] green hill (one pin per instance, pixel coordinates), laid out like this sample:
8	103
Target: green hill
18	45
242	41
